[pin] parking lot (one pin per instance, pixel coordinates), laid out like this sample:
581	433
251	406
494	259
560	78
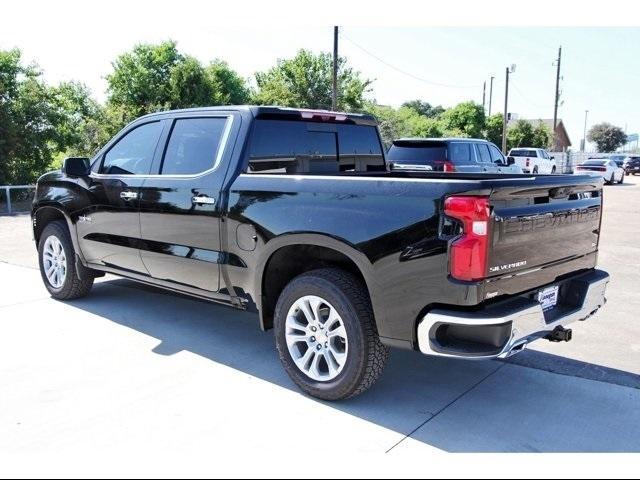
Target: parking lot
135	369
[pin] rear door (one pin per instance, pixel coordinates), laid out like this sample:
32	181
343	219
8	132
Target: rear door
180	205
109	232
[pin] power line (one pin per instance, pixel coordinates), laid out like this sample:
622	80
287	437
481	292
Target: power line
404	72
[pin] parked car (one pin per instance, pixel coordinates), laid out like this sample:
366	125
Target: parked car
620	159
632	165
532	160
292	214
601	167
448	155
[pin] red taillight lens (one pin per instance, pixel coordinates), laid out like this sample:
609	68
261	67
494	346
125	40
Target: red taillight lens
469	252
447	166
527	162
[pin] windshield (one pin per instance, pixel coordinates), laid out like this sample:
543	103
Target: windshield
522	153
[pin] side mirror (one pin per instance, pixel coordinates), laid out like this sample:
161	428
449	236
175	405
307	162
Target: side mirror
511	160
76	166
552	158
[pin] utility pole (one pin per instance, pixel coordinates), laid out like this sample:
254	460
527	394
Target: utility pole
484	95
557	98
334	92
584	135
490	95
506	111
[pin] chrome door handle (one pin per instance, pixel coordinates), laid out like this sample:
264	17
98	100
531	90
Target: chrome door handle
203	200
128	195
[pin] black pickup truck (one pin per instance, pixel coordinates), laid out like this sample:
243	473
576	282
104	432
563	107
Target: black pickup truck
294	214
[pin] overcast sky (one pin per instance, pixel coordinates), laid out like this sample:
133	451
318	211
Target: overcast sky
600	66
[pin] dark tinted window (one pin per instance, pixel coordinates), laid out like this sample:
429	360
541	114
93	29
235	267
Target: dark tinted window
432	154
133	153
282	146
496	155
460	153
523	153
193	146
483	153
595	162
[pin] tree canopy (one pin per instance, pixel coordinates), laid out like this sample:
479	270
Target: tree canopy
306	80
607	137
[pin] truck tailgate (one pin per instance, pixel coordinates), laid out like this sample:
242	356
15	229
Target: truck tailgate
554	220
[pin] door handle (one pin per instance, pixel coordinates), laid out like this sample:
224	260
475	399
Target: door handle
128	195
203	200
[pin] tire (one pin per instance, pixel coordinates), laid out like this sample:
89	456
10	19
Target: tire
621	178
362	354
67	285
612	179
553	170
535	170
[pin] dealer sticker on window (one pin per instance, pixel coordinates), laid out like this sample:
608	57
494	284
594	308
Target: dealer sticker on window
548	297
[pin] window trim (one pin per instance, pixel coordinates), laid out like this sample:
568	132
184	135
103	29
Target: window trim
224	140
103	156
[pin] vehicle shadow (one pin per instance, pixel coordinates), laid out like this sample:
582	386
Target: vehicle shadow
492	406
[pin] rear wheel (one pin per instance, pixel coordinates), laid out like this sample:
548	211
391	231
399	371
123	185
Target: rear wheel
553	170
326	335
535	170
621	177
612	179
57	264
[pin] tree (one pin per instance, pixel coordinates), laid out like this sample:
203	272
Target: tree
607	137
524	134
465	119
542	136
424	108
493	128
306	81
36	121
158	77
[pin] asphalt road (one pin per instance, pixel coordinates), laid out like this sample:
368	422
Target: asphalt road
135	369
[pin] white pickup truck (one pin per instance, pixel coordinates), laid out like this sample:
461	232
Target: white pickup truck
532	160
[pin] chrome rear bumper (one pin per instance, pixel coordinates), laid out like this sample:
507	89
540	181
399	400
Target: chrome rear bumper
505	328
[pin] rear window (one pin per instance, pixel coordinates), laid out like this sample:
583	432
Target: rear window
523	153
296	147
432	154
595	162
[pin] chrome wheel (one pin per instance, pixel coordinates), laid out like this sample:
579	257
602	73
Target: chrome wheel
316	338
54	261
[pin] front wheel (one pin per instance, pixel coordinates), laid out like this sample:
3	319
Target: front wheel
57	264
326	335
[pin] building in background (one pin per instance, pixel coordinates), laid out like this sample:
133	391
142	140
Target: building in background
562	141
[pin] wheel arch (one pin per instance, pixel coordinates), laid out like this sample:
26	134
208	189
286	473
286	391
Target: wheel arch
287	256
42	215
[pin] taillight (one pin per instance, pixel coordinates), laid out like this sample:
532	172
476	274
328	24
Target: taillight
527	162
447	166
469	252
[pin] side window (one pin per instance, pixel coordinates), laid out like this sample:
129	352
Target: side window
460	153
496	155
359	148
133	153
193	146
483	152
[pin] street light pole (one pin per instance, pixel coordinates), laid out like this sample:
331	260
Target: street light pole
506	106
334	92
584	135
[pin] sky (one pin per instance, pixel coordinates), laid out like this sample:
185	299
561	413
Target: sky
441	65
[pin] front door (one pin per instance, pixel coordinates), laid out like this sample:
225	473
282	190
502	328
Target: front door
180	206
109	230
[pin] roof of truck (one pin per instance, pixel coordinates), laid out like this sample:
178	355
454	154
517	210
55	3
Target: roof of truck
269	111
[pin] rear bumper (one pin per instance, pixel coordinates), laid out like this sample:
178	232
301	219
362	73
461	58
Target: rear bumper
505	328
